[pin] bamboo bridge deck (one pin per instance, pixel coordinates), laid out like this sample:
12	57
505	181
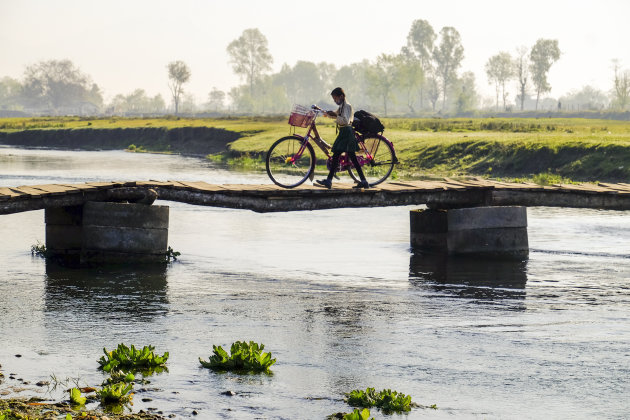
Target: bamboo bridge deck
444	194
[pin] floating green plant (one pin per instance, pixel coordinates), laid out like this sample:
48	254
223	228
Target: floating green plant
244	357
75	397
355	415
171	254
119	393
39	250
387	400
129	358
116	376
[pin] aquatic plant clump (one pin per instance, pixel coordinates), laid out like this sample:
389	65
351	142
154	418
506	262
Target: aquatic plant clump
127	358
75	397
355	415
244	357
119	393
387	400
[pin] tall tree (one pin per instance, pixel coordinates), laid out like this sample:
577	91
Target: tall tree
420	41
433	89
499	70
55	84
448	57
621	90
9	93
521	72
544	53
466	92
381	78
249	56
410	79
178	74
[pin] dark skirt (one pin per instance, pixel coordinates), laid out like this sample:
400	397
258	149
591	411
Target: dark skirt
345	141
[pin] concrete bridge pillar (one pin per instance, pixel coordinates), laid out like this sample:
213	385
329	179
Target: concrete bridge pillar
106	232
486	231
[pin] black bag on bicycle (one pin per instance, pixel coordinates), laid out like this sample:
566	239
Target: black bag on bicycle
366	123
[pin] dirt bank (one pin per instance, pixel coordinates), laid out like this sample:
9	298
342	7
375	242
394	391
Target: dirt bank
183	140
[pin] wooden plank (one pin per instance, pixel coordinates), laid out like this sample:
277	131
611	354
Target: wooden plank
32	192
616	187
55	189
7	193
104	185
81	187
202	186
153	183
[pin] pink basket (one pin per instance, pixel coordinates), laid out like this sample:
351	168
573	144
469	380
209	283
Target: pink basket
301	116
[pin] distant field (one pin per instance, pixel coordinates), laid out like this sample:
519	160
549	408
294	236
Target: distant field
545	150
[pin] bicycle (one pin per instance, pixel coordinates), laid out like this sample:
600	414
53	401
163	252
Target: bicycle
291	160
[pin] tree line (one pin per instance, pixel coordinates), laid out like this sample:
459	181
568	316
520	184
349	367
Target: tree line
424	78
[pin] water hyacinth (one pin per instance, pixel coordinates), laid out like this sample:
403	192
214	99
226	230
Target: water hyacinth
244	357
128	358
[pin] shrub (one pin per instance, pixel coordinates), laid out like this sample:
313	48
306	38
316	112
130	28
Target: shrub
244	357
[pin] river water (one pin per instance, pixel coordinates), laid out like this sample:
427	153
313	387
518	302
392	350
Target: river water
336	295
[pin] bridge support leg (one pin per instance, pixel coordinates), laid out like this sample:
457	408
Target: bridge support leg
105	232
486	231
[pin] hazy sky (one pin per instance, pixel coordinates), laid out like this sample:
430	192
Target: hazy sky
127	44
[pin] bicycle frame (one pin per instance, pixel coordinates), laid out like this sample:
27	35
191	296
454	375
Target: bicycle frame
344	162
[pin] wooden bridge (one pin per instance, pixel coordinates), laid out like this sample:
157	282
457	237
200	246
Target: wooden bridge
445	194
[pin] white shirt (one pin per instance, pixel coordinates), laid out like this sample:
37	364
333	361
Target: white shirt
345	114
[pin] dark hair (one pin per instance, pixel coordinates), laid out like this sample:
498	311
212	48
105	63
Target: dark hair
338	92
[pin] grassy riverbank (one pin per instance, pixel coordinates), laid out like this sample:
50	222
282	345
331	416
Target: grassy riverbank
546	150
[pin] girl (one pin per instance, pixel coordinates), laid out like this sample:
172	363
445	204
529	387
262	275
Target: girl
345	142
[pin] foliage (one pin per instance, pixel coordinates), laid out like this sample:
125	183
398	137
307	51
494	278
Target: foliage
75	397
118	393
243	357
387	400
130	358
544	53
39	250
249	55
116	376
500	69
355	415
448	56
171	254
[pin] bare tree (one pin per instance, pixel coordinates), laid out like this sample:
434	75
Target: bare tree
448	57
178	74
521	70
249	56
499	70
621	89
544	53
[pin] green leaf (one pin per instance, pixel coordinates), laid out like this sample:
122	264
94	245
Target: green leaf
76	398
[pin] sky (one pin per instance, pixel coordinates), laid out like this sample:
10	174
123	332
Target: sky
125	45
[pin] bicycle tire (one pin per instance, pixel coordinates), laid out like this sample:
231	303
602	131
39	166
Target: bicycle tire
384	159
284	172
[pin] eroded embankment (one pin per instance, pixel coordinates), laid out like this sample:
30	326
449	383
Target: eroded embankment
575	160
184	140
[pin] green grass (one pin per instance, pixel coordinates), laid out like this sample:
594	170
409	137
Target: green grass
546	150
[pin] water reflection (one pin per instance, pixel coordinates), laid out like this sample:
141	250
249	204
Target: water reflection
469	277
126	292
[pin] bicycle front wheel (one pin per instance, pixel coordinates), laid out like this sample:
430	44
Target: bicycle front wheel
381	164
289	162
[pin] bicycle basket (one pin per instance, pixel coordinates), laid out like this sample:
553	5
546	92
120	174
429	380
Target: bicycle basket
301	116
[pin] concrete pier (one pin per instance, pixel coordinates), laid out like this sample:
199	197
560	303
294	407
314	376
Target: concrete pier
487	231
105	232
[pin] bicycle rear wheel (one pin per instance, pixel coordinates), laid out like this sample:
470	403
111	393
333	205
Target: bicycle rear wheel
377	169
289	164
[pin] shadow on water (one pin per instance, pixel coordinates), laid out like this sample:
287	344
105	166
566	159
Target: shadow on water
132	292
468	277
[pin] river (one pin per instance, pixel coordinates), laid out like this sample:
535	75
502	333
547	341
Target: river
337	296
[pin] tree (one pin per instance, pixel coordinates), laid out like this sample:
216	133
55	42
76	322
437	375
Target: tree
466	92
499	70
544	53
588	98
303	82
521	72
9	93
381	78
56	84
448	57
178	74
249	56
410	78
621	90
420	41
216	98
